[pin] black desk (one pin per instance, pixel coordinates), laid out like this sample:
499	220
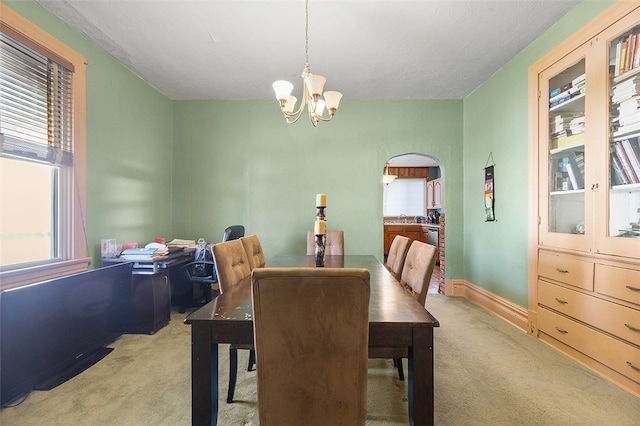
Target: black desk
395	320
151	283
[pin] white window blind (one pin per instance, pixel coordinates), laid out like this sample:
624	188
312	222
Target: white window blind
35	105
405	196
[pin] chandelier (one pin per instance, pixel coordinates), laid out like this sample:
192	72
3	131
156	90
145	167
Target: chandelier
386	177
311	92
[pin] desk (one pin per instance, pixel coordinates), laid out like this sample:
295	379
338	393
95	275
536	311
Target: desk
151	290
395	320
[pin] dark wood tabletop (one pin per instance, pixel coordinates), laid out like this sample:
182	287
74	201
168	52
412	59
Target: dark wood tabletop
396	319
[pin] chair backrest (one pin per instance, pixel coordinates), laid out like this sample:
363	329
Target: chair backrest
233	232
232	264
418	268
254	251
334	245
397	255
311	332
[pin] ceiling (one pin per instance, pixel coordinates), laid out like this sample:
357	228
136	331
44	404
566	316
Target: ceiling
368	50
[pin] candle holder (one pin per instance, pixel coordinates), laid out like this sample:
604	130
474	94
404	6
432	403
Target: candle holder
320	214
319	252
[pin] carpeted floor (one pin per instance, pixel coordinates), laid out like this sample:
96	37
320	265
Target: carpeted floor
486	373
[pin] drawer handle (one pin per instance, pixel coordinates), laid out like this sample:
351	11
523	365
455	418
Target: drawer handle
564	302
630	364
632	328
562	271
562	330
632	288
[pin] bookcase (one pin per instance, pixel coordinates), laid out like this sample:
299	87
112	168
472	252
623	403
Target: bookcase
584	234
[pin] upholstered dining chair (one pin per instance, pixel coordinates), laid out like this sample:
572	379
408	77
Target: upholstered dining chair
416	274
253	248
311	324
397	255
232	266
334	244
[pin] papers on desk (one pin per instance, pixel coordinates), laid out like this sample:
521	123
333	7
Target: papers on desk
139	253
181	243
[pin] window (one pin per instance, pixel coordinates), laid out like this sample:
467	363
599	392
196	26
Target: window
42	154
405	196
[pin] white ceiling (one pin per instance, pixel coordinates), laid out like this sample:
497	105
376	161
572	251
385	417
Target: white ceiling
369	50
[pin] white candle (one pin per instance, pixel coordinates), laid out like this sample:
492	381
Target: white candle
320	227
321	200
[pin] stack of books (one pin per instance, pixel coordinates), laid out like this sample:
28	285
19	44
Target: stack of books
626	102
566	92
567	130
139	254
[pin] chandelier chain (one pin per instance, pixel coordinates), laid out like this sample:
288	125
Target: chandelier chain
306	35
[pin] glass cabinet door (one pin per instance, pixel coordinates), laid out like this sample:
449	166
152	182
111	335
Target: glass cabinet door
623	218
563	157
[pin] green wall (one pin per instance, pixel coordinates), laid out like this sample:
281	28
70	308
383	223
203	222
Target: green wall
495	122
239	162
187	169
129	142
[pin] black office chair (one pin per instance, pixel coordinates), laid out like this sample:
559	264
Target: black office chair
202	271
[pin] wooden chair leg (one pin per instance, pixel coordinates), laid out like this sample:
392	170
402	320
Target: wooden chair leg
233	374
398	363
252	360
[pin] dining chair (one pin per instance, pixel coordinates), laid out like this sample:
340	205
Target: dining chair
397	255
311	331
416	275
233	267
334	244
253	248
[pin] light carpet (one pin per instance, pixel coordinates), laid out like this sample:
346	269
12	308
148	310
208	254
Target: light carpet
487	372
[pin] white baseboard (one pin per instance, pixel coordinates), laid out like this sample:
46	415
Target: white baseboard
509	311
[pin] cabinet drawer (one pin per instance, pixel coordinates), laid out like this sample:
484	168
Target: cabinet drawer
616	319
620	283
615	354
568	270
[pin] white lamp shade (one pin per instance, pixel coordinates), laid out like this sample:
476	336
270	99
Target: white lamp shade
315	84
387	179
332	99
283	89
319	107
291	104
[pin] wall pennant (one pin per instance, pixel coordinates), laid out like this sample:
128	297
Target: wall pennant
489	194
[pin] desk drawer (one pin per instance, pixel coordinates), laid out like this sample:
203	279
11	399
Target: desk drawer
621	283
615	354
615	319
568	270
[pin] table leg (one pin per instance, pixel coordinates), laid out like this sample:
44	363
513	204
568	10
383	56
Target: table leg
420	384
204	376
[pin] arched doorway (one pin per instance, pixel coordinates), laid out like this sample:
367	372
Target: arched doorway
413	205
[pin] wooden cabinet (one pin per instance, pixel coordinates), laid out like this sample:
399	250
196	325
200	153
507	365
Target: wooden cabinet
150	302
434	194
410	230
584	283
409	172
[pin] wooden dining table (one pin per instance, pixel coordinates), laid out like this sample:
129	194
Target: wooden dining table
396	319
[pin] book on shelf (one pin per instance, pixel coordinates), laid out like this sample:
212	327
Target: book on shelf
624	161
570	140
632	150
618	176
576	170
627	50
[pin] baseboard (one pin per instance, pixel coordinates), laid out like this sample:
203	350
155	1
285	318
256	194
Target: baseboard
510	312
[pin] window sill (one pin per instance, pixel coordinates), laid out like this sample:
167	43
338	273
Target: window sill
20	277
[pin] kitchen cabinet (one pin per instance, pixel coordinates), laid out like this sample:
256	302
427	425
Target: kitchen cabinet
434	194
409	230
584	124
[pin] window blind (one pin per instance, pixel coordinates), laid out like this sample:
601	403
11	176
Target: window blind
35	105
